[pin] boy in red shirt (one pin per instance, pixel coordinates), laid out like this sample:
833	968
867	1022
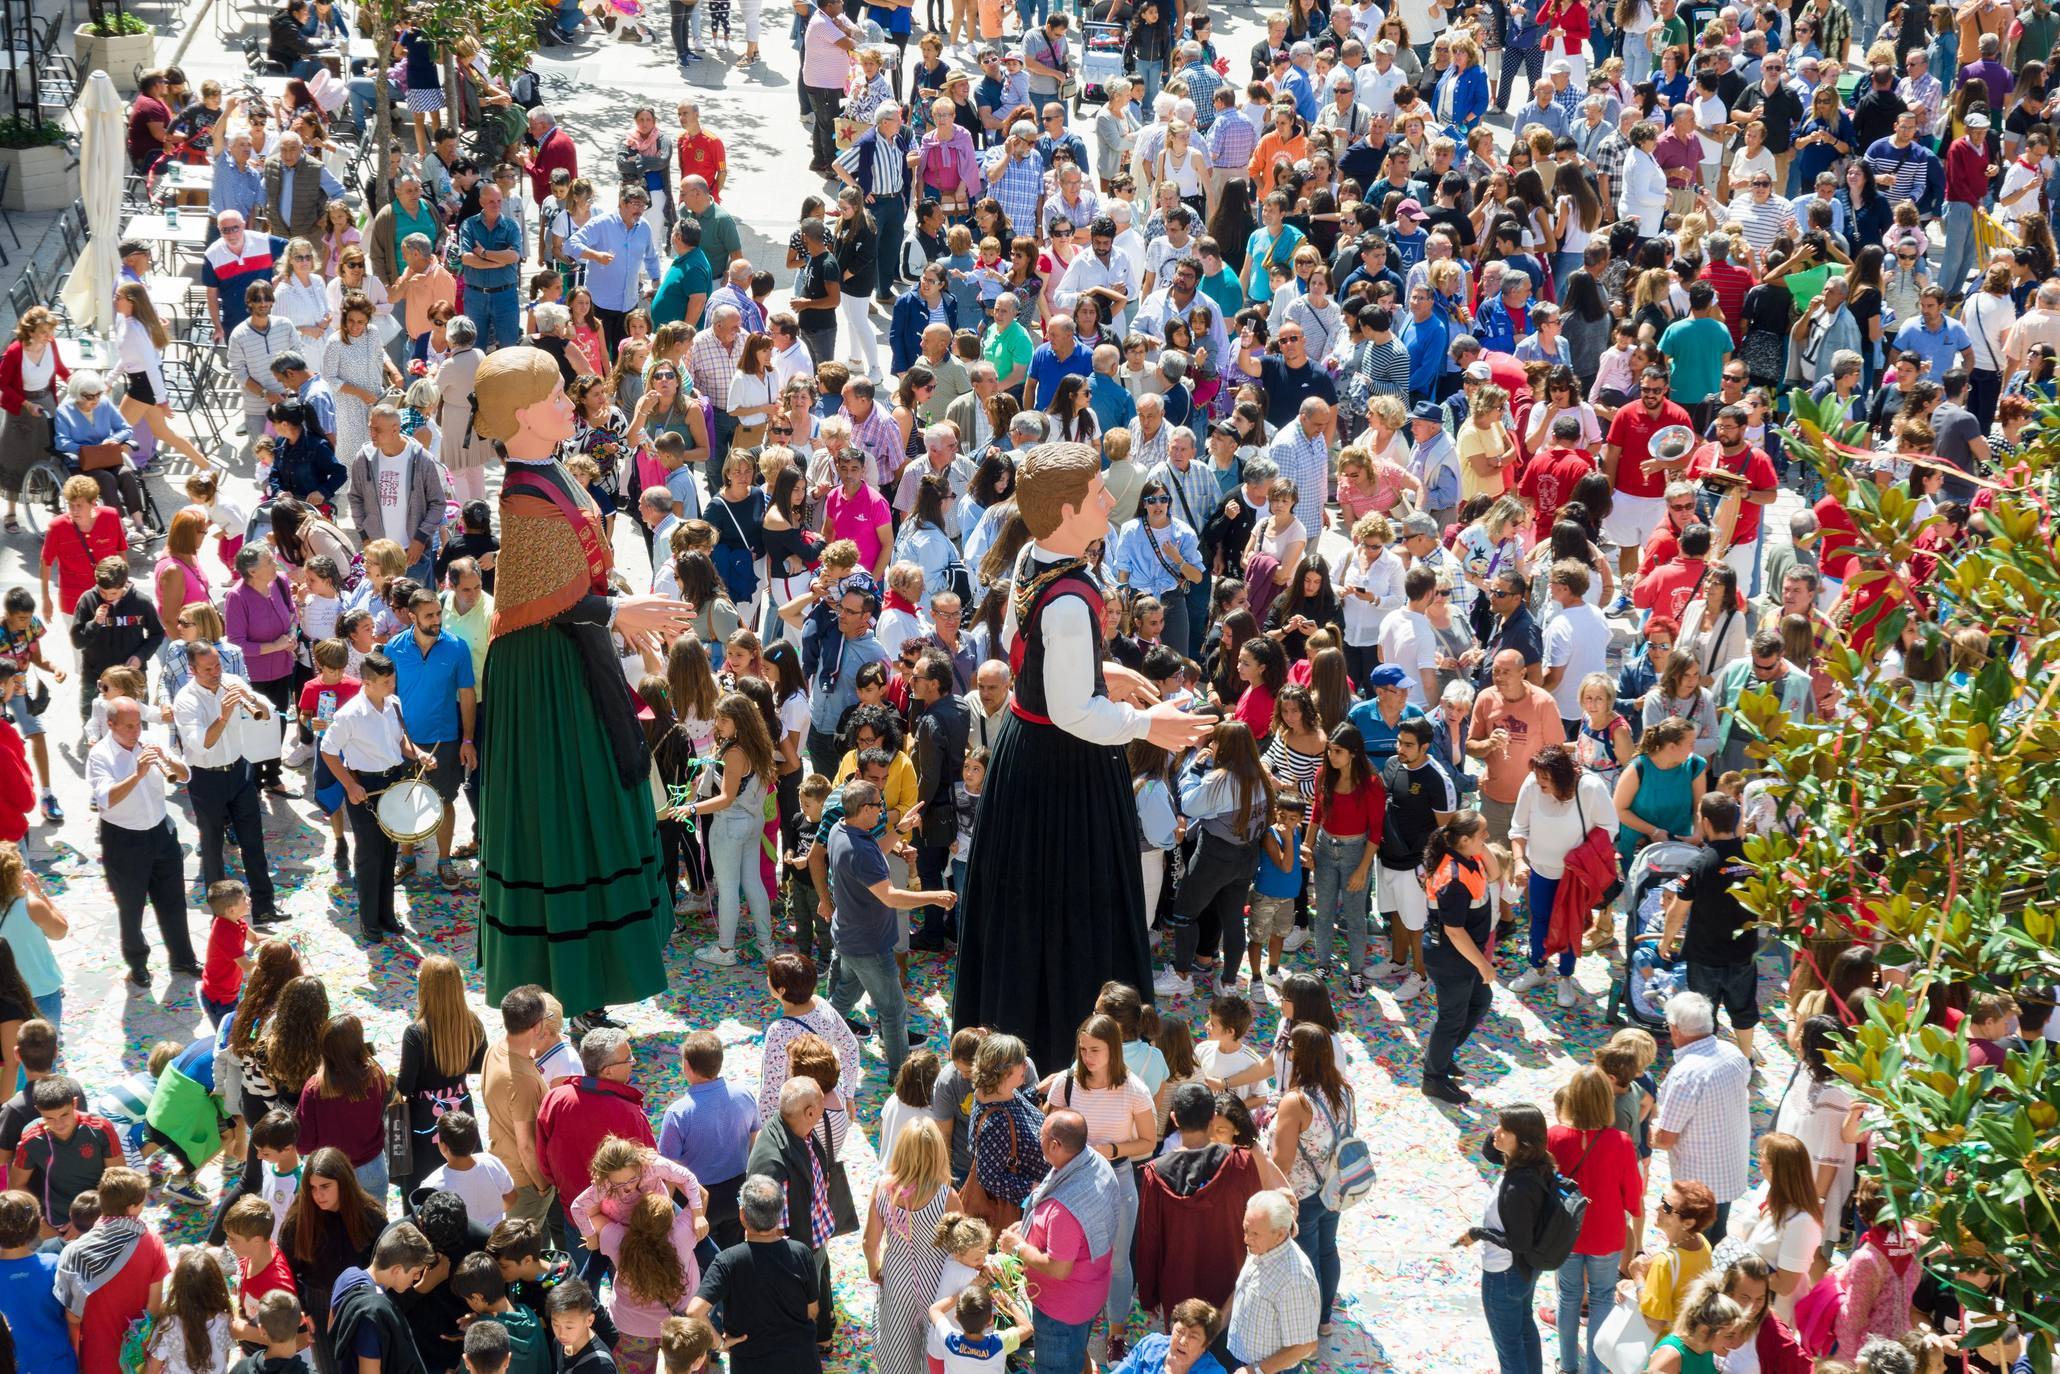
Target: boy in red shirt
321	697
75	545
114	1273
261	1264
229	942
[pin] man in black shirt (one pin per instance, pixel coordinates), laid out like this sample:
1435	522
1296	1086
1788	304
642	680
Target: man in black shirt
1447	214
816	292
1515	627
1721	943
766	1287
1421	797
1770	101
1289	377
1876	111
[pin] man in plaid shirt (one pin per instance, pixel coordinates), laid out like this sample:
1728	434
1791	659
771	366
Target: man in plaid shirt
1231	141
1609	157
1202	83
1015	176
1705	1106
1277	1305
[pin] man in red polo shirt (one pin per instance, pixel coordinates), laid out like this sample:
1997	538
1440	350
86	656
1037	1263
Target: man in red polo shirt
701	153
1671	586
1639	502
75	545
1729	453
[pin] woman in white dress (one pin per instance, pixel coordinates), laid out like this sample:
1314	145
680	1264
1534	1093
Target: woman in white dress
357	371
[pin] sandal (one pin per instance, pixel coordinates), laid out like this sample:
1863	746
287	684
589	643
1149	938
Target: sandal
11	524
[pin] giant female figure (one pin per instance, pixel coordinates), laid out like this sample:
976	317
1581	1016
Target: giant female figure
1054	902
571	893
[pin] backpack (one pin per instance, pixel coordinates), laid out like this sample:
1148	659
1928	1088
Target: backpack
1559	1226
1349	1175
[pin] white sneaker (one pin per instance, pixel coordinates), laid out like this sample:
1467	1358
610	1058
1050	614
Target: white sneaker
1568	995
716	955
1170	984
1412	988
1274	976
1528	979
1296	938
1385	969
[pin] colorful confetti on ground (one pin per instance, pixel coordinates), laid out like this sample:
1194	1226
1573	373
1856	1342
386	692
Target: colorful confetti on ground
1408	1299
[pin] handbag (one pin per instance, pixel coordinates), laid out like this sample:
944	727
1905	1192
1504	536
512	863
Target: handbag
400	1140
94	457
843	1214
1625	1341
976	1201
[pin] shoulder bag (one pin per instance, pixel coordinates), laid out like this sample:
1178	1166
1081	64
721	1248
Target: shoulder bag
974	1198
843	1214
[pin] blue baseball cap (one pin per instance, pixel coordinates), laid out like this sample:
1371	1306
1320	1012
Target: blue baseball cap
1388	675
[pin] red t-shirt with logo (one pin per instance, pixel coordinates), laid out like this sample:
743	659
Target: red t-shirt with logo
1548	484
1631	432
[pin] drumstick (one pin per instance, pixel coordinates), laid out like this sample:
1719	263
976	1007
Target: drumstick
1930	461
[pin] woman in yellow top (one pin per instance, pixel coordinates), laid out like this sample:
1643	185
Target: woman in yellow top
1659	1278
1484	445
875	726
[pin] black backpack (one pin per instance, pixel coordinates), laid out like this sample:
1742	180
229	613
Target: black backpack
1559	1225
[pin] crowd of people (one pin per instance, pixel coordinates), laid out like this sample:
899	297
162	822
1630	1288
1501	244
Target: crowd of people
1441	437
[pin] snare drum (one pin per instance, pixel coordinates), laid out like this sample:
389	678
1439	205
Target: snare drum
409	811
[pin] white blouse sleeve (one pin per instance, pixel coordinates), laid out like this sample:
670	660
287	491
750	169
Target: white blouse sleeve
1069	679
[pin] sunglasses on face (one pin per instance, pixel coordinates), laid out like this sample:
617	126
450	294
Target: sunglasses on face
1158	500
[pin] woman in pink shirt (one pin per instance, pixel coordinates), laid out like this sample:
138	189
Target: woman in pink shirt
655	1276
179	579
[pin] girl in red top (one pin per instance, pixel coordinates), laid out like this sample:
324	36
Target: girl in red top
1588	1148
1343	835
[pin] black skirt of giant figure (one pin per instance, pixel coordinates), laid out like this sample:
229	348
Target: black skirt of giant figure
1054	901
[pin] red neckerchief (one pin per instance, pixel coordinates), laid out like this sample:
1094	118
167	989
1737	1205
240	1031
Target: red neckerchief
897	602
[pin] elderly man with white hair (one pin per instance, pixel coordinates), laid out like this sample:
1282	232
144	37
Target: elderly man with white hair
788	1153
1705	1106
1274	1308
140	851
1302	452
943	461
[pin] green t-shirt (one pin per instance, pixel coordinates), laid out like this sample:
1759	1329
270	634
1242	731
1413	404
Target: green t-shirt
1223	289
720	240
1008	349
1808	284
686	278
1673	33
1696	349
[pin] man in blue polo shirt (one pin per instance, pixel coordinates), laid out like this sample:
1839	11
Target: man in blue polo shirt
1941	341
433	679
490	251
1379	718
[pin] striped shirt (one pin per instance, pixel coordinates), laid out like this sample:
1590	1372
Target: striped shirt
1195	492
1231	142
1110	1112
890	167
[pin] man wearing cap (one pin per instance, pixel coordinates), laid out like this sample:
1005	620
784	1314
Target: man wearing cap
1639	483
1380	78
1385	707
1435	463
1407	241
1501	322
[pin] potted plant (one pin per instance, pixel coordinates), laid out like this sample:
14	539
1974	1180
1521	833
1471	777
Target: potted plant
116	42
40	175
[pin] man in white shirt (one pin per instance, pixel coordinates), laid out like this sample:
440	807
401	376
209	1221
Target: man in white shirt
138	848
1408	641
1379	79
368	749
1101	272
397	492
210	714
1576	642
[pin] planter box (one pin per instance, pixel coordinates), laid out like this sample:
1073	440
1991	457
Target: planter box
118	56
40	179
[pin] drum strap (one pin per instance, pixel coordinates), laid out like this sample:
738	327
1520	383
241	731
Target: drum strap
584	527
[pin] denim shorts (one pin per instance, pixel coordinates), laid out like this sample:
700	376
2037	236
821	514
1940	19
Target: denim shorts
25	720
1734	987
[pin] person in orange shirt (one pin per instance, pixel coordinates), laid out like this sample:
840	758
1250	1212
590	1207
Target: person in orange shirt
1288	138
1512	720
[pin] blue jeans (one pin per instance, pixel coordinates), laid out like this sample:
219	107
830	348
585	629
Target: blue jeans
50	1007
496	313
1598	1273
1637	59
1153	74
1061	1347
733	847
1122	1276
1541	892
1336	860
1506	1299
878	977
1957	259
372	1178
1316	1233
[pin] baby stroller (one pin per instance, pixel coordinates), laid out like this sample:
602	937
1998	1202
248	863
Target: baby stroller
1648	980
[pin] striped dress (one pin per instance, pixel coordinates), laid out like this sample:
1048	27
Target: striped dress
910	1266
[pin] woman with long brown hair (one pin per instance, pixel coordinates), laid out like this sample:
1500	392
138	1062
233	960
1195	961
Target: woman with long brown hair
344	1104
745	749
140	339
280	1064
1316	1111
330	1227
276	965
442	1047
1788	1230
1228	793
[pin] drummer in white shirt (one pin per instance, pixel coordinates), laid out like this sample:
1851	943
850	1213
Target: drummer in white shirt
210	713
138	848
368	750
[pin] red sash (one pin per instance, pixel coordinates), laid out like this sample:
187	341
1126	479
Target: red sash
584	526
